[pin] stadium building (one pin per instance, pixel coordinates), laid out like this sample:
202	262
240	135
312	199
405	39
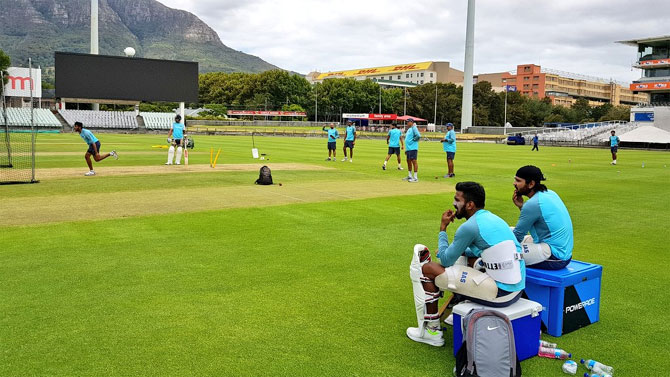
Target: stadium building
653	58
401	75
563	88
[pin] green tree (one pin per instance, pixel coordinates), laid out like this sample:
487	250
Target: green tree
4	64
616	113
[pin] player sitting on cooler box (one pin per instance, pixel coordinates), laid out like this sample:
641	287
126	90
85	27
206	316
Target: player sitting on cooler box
498	282
549	245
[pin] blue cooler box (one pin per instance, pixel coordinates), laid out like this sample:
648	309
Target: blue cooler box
525	317
570	297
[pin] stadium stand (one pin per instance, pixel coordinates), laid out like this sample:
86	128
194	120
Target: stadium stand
17	116
101	119
582	134
158	121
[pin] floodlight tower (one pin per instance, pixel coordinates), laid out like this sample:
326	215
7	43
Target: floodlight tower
94	36
466	112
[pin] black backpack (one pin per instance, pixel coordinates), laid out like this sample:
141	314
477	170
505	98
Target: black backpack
493	350
264	176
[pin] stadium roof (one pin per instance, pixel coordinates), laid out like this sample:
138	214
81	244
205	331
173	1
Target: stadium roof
651	40
647	134
376	70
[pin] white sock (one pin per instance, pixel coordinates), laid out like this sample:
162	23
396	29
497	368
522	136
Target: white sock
416	176
409	173
399	165
384	163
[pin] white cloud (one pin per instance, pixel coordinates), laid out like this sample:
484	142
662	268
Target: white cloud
569	35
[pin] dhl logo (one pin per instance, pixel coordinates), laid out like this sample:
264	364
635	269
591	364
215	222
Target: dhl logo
404	67
367	71
334	74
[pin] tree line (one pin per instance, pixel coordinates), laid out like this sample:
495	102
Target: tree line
281	90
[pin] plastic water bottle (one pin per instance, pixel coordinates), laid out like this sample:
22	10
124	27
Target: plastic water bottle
602	374
546	344
596	366
642	163
553	353
570	367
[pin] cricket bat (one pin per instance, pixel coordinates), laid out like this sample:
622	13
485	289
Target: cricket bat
185	152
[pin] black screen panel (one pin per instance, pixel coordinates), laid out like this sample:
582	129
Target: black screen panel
120	78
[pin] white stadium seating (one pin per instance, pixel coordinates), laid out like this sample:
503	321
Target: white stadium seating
583	134
158	121
17	116
101	119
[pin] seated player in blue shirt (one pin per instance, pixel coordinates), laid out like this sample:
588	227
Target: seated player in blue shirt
549	245
93	147
333	135
395	143
499	280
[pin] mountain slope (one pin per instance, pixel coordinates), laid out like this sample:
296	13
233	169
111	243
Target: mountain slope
37	28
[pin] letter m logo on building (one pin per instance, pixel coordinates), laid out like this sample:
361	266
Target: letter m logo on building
22	80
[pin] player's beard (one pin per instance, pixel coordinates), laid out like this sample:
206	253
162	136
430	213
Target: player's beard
460	210
523	190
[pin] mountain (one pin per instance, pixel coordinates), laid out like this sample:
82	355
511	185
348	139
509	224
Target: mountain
36	28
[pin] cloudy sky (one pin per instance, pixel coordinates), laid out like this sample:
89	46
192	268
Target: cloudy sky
569	35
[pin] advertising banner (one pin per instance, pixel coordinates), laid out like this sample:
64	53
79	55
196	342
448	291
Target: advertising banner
19	82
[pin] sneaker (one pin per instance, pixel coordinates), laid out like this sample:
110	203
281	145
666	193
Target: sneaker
90	173
328	159
430	337
449	320
414	180
407	178
383	167
114	154
452	175
178	163
400	168
352	160
168	163
446	176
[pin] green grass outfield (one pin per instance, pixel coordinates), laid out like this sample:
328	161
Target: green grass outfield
203	273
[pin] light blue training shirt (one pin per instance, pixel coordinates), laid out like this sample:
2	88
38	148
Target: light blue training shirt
450	144
412	138
480	232
178	130
548	221
351	130
88	136
394	138
614	141
332	134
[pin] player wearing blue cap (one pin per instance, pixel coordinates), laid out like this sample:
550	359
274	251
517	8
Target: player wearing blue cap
549	245
333	135
395	143
449	146
93	147
412	137
349	141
